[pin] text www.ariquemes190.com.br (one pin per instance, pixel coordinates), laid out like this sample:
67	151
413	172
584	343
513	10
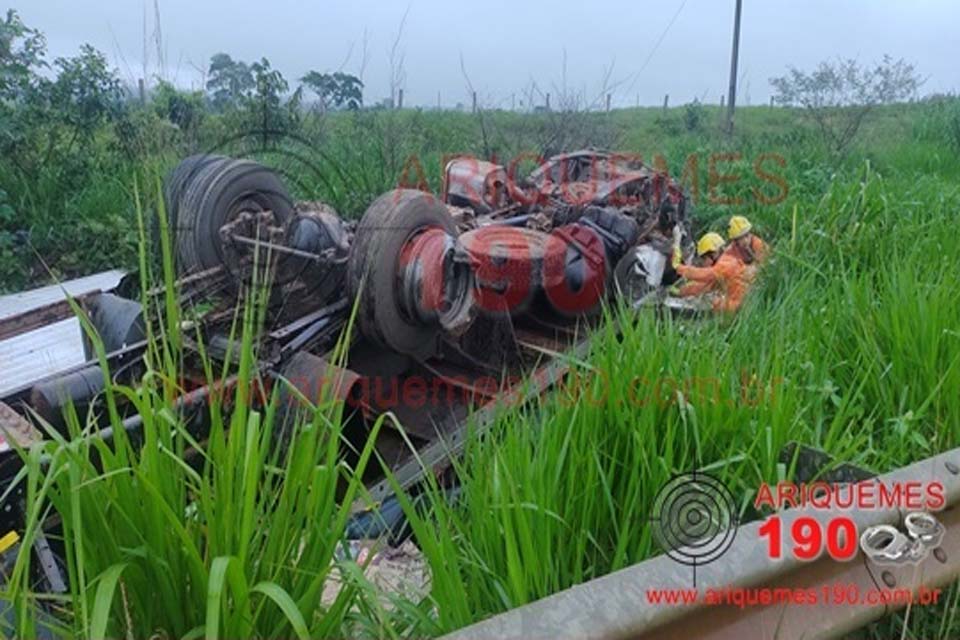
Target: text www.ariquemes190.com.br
838	594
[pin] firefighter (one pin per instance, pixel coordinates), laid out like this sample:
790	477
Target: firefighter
709	248
725	278
744	244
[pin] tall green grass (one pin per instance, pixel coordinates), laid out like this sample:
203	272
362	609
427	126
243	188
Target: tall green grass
850	343
169	533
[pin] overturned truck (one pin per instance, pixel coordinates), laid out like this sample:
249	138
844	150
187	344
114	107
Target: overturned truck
462	301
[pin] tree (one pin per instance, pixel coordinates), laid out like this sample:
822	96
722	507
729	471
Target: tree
270	84
86	92
21	55
265	109
839	95
229	81
44	117
336	91
182	108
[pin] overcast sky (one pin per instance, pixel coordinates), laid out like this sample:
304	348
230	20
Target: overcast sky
508	45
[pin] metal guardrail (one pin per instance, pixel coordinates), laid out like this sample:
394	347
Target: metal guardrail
616	605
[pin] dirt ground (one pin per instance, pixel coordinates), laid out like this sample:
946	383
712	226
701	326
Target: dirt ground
394	571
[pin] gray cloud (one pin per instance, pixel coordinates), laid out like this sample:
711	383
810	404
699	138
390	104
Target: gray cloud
506	46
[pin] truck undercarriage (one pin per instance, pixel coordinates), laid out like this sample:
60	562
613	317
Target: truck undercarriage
462	302
441	312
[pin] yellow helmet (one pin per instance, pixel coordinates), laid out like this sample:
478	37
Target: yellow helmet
709	242
739	226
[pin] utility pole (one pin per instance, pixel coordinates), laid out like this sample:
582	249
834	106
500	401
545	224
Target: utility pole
400	99
732	98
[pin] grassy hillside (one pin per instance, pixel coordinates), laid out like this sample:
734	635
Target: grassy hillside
850	343
67	212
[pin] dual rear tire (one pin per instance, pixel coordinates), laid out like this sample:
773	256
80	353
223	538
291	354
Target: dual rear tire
204	192
373	269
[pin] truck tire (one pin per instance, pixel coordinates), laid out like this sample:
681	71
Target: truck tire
177	179
372	269
212	191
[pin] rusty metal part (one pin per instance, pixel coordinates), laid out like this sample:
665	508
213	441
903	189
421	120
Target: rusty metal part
583	240
319	233
435	287
279	248
318	380
316	332
584	165
49	399
252	225
462	379
27	321
308	381
475	183
203	278
284	332
15	428
505	260
439	454
464	217
587	177
616	605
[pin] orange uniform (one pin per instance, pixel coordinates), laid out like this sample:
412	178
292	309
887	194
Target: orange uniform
757	252
729	277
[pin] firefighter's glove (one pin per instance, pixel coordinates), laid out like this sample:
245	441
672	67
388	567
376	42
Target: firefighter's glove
677	258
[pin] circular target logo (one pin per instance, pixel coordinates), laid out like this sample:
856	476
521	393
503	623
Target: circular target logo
694	519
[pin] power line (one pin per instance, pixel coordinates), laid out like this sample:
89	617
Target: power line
656	46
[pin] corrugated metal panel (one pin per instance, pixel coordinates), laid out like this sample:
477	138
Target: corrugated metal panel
52	348
27	300
39	353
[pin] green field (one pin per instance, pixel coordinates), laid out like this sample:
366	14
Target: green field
850	343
